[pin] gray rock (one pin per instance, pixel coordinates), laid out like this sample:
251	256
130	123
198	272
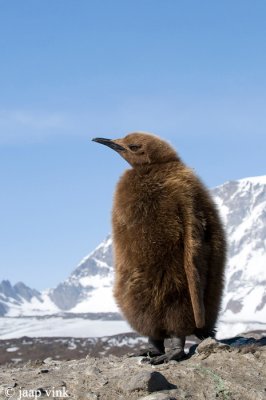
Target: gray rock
208	343
158	396
150	381
90	396
92	371
48	360
173	362
211	345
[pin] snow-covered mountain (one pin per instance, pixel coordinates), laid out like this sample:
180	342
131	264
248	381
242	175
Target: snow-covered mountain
243	208
89	288
20	300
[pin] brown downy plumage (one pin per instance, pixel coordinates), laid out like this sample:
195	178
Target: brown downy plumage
169	243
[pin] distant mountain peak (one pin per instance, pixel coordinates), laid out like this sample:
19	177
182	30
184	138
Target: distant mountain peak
102	250
20	299
18	292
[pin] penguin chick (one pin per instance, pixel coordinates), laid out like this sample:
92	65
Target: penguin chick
169	246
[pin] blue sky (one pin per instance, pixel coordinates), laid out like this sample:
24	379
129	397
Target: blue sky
190	71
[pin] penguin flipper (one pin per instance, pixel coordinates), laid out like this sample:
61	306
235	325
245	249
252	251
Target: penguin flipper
192	274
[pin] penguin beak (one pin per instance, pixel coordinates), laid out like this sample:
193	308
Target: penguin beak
110	143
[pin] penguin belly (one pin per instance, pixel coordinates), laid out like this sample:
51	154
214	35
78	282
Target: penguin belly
150	282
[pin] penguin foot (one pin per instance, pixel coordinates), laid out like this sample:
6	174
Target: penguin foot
176	355
175	352
155	349
146	353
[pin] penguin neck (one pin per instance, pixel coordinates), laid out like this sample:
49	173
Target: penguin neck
147	169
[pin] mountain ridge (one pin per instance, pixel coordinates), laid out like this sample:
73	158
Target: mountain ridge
88	289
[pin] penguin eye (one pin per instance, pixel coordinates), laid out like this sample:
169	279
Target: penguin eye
134	147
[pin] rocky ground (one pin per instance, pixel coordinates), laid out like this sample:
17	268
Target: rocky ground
21	350
230	370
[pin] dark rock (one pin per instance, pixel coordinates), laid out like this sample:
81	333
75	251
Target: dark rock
150	381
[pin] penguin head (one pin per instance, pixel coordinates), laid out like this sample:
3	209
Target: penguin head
140	149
